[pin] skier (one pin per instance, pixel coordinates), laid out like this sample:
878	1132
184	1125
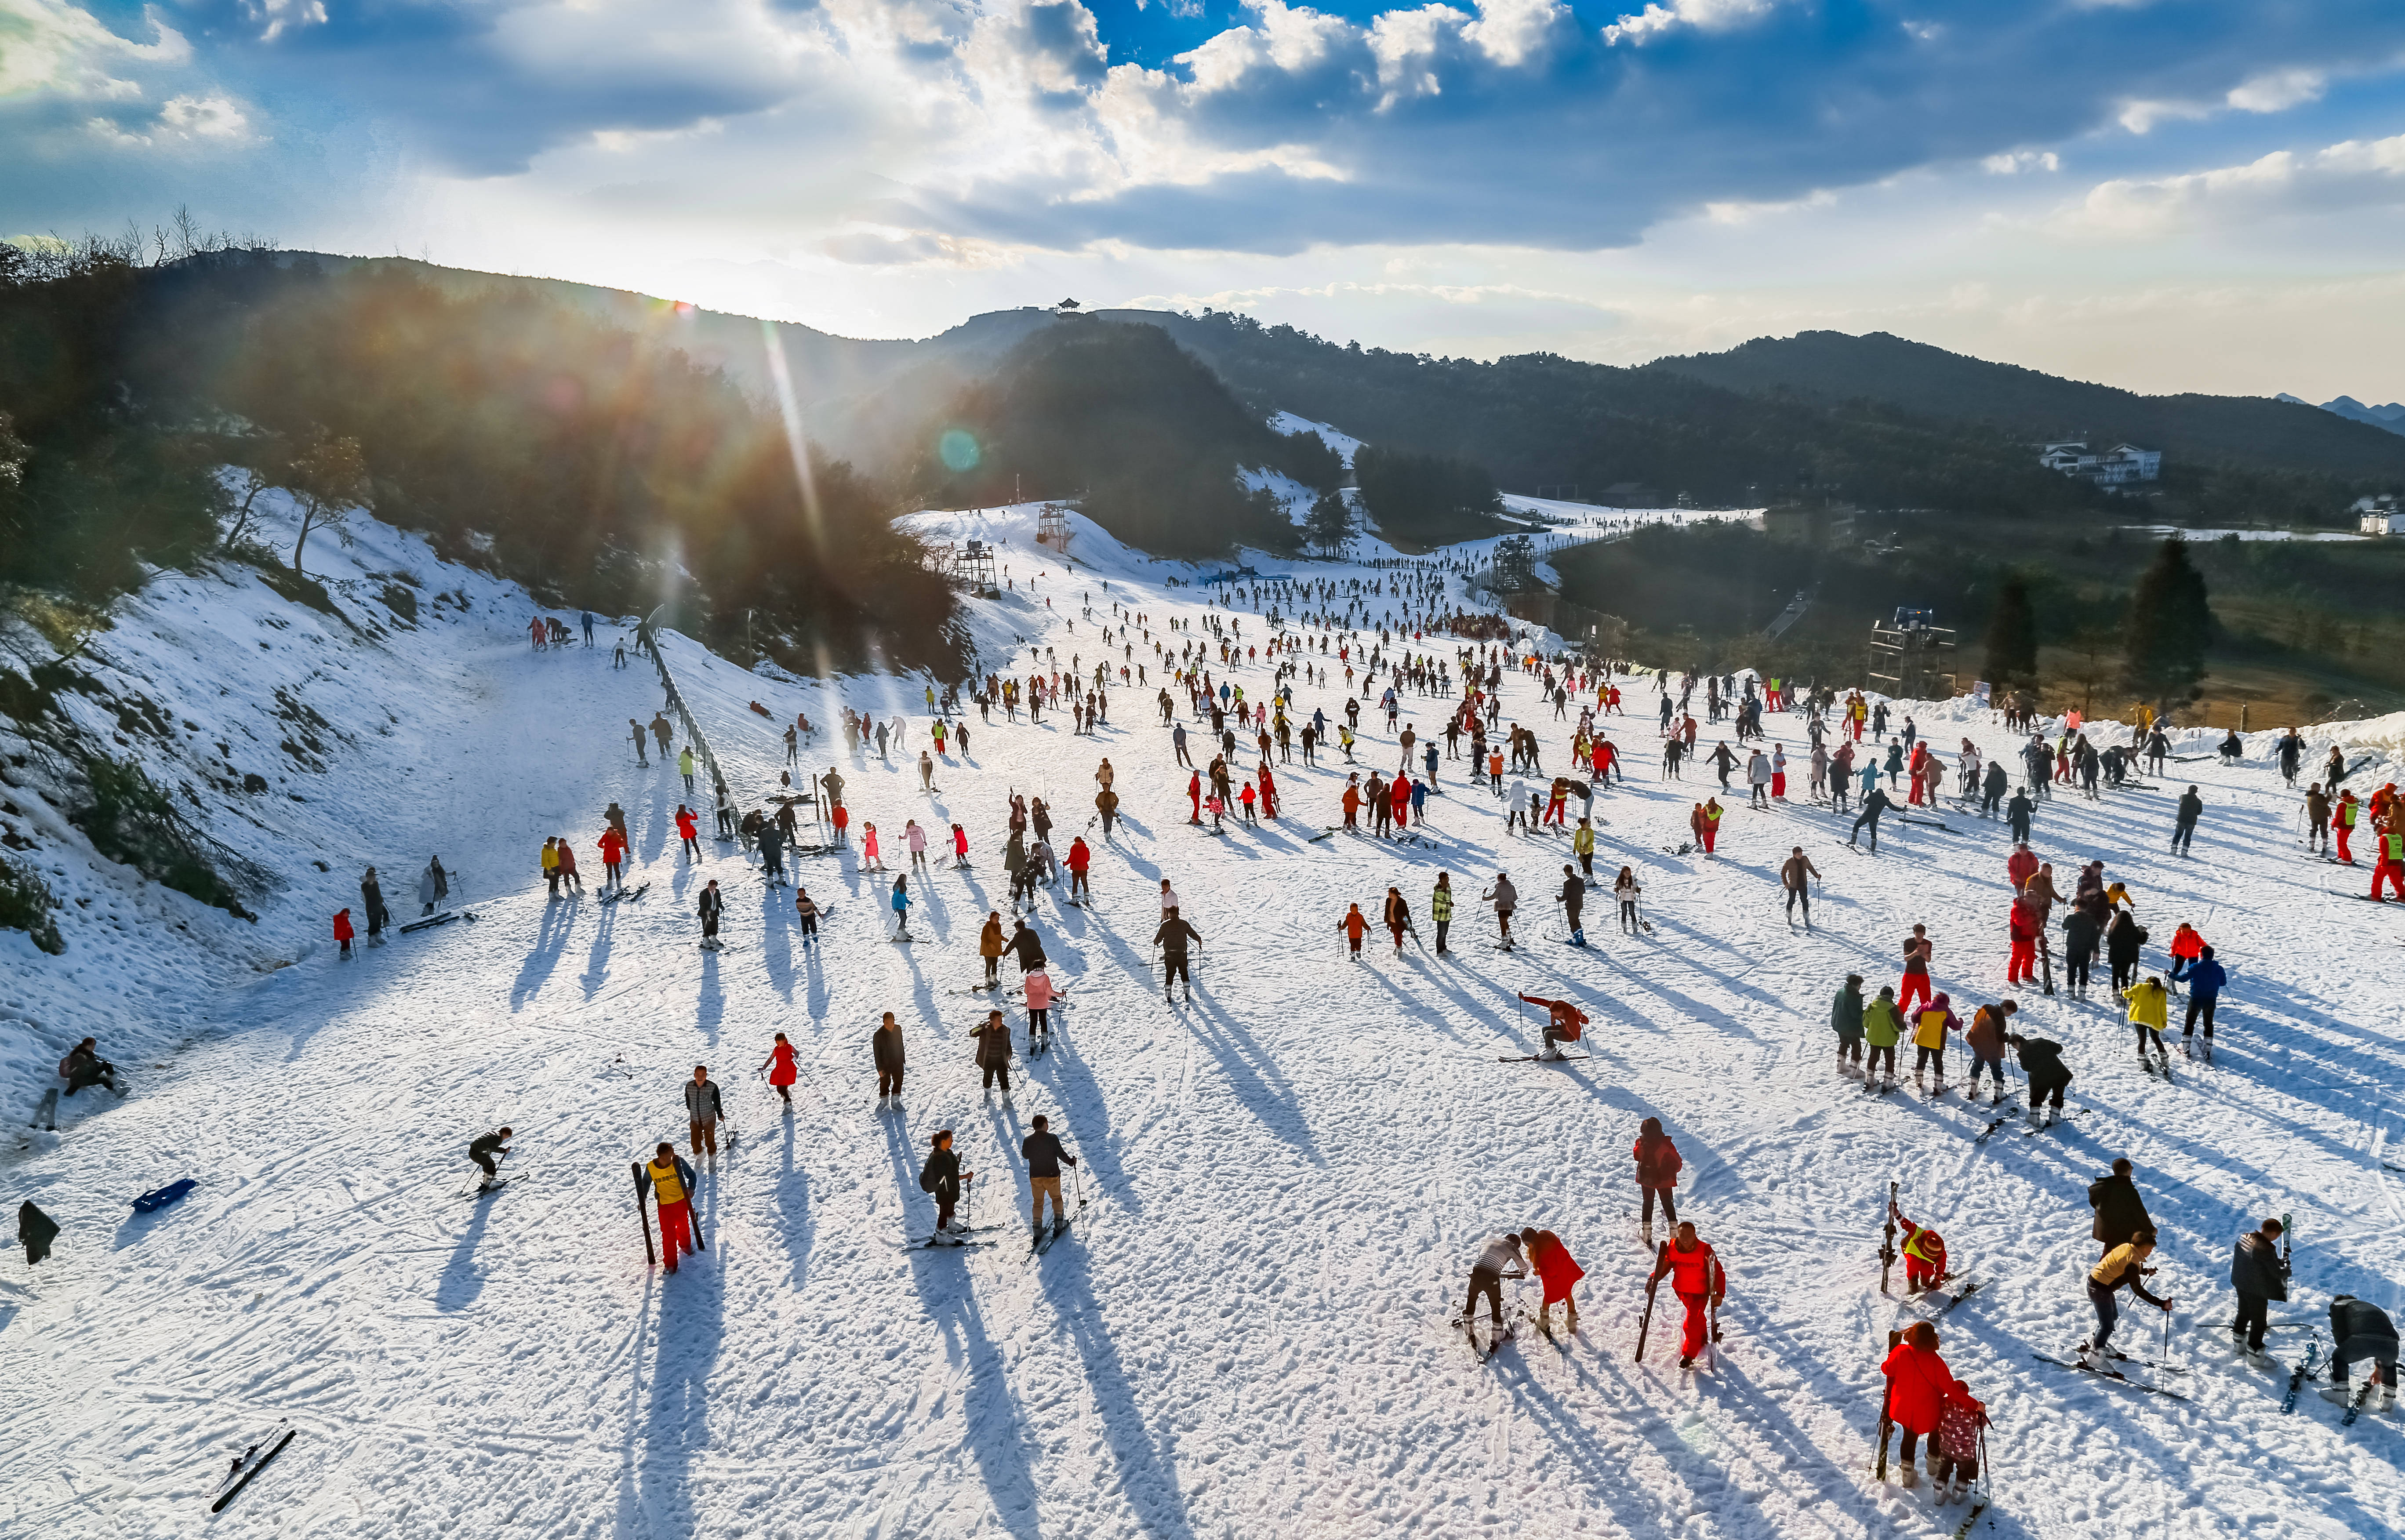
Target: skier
2342	821
2018	813
1847	1017
1923	1398
673	1182
1026	946
1627	889
994	1051
2048	1077
1354	925
486	1150
1565	1023
1398	919
1040	995
1883	1028
1495	1259
902	907
1698	1279
2120	1210
1918	948
806	911
2391	846
2124	1265
638	736
1875	801
2149	1010
710	908
1560	1273
2361	1329
1924	1254
2191	807
1573	899
1793	873
2317	820
1505	898
1657	1173
1984	1037
1044	1154
685	767
2206	982
1582	846
2259	1275
342	931
1706	822
1172	938
780	1065
371	899
1929	1037
885	1048
943	1177
990	947
703	1108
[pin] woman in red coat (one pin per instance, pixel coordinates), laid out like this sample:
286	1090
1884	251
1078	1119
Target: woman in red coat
1559	1272
1920	1392
780	1065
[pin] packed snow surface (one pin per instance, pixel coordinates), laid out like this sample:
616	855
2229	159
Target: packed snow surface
1283	1183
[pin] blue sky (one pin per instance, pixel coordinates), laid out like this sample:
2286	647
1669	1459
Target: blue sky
2168	194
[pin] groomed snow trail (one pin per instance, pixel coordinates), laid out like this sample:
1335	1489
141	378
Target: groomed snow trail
1283	1182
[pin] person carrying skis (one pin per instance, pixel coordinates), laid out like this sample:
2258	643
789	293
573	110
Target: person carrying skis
1883	1028
710	906
2361	1329
1658	1166
1497	1260
1924	1254
1172	938
780	1065
885	1049
1560	1273
2149	1011
1795	874
487	1151
1926	1401
2124	1266
1044	1154
1565	1023
672	1183
703	1108
1505	898
1847	1017
942	1176
1929	1032
994	1051
1572	898
1698	1279
2120	1210
2259	1273
1984	1037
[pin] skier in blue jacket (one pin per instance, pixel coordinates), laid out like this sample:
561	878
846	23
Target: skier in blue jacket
2204	985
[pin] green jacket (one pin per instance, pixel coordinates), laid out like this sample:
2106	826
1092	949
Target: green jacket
1845	1013
1881	1025
1440	905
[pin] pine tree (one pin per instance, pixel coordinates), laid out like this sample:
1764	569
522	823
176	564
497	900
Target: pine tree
2163	641
1329	525
2012	637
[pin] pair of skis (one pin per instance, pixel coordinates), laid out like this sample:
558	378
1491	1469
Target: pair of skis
250	1462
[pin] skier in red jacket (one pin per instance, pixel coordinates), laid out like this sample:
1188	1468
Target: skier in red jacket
1657	1171
1565	1022
1080	857
1925	1400
688	831
1560	1272
2020	865
2022	922
342	931
1696	1277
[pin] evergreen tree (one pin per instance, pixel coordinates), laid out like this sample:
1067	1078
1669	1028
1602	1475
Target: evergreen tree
2163	641
2012	637
1329	525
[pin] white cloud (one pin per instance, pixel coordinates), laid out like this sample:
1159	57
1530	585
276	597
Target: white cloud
2278	91
1702	15
52	48
2014	161
2357	173
276	16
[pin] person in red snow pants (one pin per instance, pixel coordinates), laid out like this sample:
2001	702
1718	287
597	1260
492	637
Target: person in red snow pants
2023	966
1695	1277
672	1181
1916	950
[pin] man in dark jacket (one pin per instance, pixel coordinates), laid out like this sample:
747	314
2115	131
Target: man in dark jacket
1026	945
2120	1212
2204	986
486	1150
885	1043
1574	902
2048	1077
710	908
2191	807
371	901
943	1177
2259	1276
1043	1154
1846	1020
994	1051
2362	1330
2080	935
1172	938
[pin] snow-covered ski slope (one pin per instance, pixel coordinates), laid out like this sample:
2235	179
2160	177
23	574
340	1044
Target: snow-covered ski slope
1245	1334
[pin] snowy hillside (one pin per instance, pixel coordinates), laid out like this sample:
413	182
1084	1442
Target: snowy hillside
1283	1182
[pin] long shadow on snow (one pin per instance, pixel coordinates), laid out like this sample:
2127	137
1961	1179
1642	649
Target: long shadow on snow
689	1331
550	940
791	1196
462	1281
596	961
1265	1095
1147	1471
1083	1106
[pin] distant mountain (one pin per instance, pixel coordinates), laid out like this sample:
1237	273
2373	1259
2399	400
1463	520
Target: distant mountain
2248	433
2390	417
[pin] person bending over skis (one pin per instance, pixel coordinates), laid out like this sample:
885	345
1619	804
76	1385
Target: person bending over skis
1924	1254
1565	1023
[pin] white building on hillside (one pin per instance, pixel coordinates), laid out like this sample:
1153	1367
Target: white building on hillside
2116	466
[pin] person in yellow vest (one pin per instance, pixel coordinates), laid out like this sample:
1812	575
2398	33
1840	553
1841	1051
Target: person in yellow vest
672	1185
551	864
1582	846
2344	818
1935	1019
1924	1254
2392	858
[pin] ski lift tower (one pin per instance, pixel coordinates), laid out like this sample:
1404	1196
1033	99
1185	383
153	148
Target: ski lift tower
1052	528
1912	659
972	566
